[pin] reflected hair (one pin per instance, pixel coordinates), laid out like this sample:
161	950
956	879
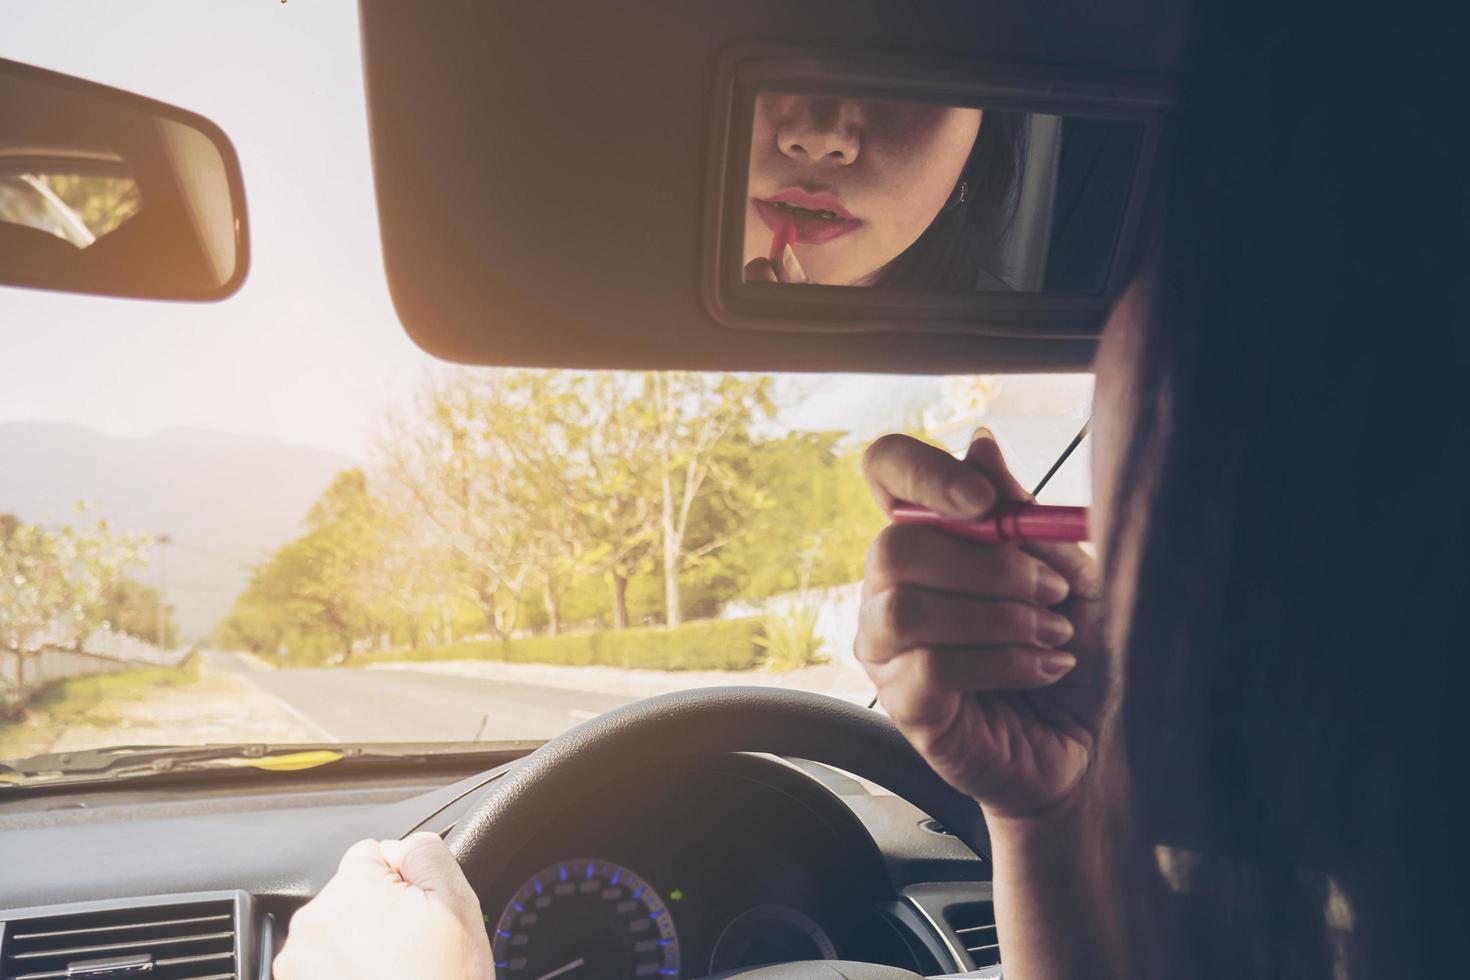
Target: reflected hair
961	248
1296	665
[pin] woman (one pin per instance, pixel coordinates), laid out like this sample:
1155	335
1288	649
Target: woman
1240	757
1234	749
879	193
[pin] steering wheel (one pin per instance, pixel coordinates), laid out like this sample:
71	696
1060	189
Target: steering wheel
707	721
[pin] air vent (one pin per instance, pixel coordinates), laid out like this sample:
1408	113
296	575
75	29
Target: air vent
186	941
974	924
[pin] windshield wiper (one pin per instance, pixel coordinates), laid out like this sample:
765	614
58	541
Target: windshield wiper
133	761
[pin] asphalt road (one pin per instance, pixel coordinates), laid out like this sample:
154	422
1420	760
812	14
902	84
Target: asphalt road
354	705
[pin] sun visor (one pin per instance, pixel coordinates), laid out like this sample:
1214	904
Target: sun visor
817	186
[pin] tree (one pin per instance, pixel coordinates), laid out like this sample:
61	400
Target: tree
454	456
607	494
53	582
139	610
808	512
695	418
409	583
317	589
591	493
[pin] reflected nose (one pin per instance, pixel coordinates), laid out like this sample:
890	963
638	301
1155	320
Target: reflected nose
822	131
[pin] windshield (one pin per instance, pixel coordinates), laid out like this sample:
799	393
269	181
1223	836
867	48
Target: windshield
275	520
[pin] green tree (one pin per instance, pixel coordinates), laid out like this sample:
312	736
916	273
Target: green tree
53	583
316	591
140	611
696	420
609	497
585	467
795	514
454	455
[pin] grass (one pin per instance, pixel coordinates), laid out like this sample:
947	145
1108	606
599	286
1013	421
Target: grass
85	699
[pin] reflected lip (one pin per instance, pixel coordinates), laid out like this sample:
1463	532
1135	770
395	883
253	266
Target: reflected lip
818	215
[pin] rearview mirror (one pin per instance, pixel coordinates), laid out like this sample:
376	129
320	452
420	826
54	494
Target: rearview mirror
103	191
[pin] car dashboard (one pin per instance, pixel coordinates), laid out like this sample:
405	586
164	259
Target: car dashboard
717	864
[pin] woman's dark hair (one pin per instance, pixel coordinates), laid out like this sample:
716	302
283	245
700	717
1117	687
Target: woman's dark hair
960	250
1297	699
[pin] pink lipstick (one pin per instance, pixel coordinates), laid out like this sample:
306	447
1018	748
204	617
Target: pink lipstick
818	216
785	234
1024	522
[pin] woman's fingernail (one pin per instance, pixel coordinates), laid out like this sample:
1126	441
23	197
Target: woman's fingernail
982	432
1052	630
790	268
1051	587
971	494
1056	664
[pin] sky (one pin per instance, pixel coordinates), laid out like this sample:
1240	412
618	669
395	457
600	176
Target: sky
310	350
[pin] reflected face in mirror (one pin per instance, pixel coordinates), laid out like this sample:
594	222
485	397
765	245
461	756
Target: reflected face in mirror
851	184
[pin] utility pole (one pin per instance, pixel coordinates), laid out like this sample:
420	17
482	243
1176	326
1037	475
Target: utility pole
163	542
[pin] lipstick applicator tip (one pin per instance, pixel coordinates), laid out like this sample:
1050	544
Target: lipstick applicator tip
785	235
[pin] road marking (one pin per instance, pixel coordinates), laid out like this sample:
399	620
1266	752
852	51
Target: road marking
292	710
301	717
582	715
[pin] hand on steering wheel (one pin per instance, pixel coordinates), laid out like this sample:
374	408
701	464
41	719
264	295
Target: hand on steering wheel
394	909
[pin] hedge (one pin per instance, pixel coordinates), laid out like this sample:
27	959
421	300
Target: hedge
708	644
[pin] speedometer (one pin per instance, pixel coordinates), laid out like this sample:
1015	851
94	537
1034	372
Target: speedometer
585	919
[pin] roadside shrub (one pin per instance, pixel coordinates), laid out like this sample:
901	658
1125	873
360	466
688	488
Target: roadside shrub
707	644
711	644
571	649
790	639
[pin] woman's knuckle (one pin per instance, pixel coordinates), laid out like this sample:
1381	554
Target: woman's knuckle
308	918
875	564
1008	661
1023	620
987	565
1006	620
1023	576
878	450
896	547
903	611
927	667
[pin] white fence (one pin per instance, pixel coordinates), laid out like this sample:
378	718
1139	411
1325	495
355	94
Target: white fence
102	652
121	646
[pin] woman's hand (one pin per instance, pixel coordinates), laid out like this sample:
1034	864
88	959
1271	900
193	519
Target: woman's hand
987	656
394	909
762	269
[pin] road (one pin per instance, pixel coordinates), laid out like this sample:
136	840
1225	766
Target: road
354	705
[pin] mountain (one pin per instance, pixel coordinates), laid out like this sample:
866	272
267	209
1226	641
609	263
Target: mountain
226	500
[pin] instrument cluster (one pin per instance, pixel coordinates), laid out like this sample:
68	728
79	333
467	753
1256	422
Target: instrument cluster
695	874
